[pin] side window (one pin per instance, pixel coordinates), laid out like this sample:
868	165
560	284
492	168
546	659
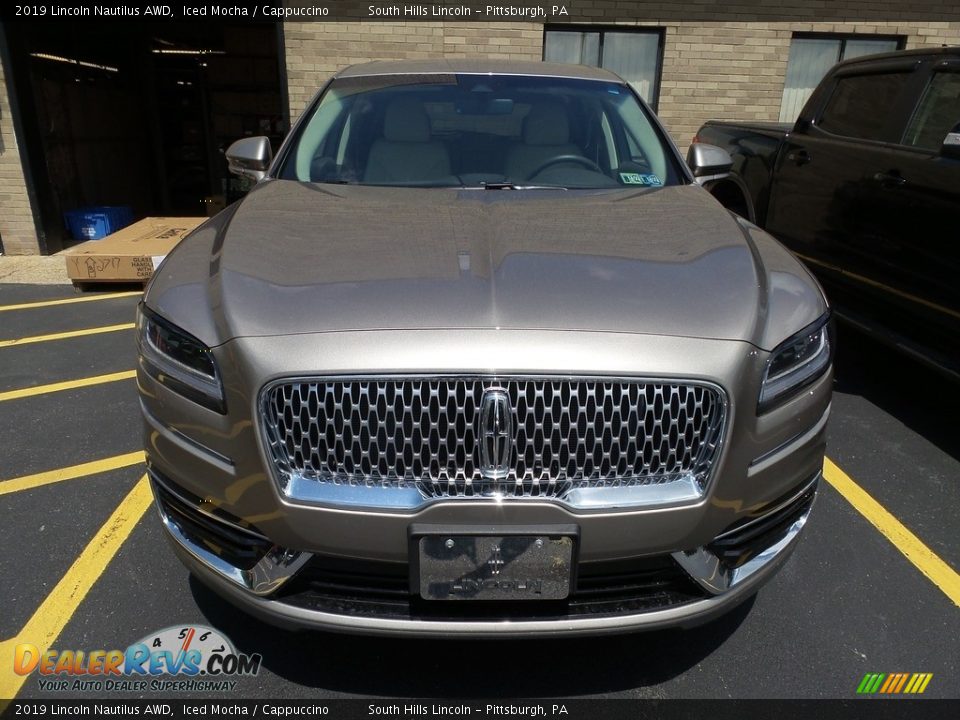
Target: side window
309	151
642	142
937	114
813	54
860	105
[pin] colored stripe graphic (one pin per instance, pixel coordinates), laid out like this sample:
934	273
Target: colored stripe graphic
894	683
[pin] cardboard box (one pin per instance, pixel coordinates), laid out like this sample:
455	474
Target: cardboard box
130	254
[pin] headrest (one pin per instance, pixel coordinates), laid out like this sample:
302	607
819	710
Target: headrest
546	124
406	121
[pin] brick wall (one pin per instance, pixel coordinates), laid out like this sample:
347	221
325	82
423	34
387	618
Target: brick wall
316	50
725	71
17	229
721	60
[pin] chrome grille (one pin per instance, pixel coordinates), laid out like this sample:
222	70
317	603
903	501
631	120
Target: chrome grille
422	434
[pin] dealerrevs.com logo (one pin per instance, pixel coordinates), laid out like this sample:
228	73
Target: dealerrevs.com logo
199	657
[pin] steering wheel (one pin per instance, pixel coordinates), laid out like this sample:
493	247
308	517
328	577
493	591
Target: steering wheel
579	159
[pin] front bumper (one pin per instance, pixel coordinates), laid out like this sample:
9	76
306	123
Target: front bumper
216	463
684	589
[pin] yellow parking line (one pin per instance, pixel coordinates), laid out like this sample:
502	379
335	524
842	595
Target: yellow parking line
67	385
69	301
28	482
923	558
59	606
66	335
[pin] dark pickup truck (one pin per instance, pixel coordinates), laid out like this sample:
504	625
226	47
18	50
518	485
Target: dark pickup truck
865	188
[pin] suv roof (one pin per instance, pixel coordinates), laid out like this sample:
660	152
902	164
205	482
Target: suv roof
920	52
475	67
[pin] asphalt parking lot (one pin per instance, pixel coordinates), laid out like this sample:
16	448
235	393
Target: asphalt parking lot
873	587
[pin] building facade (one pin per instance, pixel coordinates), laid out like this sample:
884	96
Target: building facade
18	230
692	60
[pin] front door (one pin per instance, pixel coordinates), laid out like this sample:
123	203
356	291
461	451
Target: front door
837	188
917	221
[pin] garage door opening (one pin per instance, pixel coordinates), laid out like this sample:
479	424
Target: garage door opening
140	115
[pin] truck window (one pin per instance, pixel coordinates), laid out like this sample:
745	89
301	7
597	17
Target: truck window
937	114
860	104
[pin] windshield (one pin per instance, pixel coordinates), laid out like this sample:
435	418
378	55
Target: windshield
463	130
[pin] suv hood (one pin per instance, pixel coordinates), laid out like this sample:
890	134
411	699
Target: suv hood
297	258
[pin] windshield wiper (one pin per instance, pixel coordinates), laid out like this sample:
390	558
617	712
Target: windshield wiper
507	185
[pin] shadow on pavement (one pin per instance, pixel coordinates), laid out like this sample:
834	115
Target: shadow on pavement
398	667
918	396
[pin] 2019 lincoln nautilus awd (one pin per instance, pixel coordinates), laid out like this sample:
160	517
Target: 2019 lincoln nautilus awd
478	355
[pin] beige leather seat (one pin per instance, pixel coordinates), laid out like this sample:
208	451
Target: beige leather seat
406	153
546	134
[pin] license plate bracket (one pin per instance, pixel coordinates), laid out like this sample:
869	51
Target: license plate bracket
502	563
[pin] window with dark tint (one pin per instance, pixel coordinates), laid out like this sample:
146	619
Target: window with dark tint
812	56
937	114
860	106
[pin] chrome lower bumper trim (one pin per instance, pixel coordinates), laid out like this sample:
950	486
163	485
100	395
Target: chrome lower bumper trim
676	492
288	616
272	570
683	489
248	589
708	569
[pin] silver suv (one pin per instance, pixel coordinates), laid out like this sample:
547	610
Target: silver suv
479	355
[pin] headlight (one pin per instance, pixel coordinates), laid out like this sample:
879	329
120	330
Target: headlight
178	360
796	363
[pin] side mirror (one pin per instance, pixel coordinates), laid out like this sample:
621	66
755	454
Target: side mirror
250	157
951	144
708	162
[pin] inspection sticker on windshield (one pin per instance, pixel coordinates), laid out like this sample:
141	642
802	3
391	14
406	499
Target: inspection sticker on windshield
641	179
